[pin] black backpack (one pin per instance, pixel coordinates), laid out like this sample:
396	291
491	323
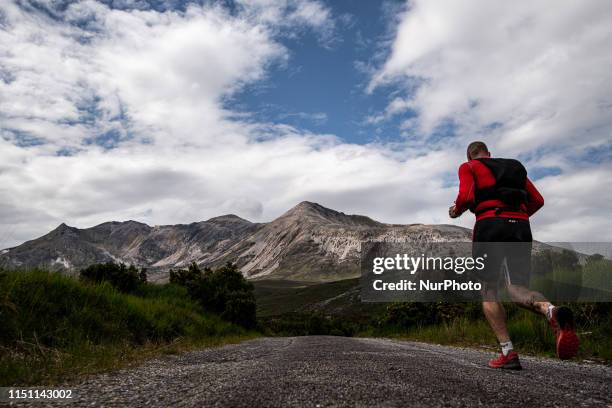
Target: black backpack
510	180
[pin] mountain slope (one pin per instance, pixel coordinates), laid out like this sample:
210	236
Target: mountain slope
307	243
157	248
313	243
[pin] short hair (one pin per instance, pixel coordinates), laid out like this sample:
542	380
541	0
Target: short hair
475	148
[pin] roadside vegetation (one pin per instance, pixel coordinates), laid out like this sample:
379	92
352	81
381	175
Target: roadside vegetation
459	324
56	327
286	308
465	325
223	291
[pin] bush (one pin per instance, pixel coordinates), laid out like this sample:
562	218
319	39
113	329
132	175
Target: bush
186	277
123	278
223	291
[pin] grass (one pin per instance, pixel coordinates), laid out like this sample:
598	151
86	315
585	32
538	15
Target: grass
55	328
340	298
530	334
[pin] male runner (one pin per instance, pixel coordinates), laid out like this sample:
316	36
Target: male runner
503	198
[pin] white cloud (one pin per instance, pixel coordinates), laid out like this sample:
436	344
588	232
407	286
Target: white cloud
577	206
298	15
538	68
397	106
173	70
167	71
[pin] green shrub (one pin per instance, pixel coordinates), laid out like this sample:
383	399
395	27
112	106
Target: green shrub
223	291
240	308
186	277
124	278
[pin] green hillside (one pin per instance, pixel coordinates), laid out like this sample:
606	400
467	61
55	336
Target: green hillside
56	327
340	298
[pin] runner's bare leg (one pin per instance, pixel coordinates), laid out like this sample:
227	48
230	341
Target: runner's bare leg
496	316
528	299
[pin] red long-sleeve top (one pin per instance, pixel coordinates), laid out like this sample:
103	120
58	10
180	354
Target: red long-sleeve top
473	175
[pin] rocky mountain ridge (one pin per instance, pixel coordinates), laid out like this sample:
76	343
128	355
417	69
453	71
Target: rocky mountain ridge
308	243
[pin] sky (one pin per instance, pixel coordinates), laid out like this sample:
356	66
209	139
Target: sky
169	111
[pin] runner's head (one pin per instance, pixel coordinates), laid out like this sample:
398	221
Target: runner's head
476	150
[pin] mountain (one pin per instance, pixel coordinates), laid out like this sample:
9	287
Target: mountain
307	243
158	248
314	243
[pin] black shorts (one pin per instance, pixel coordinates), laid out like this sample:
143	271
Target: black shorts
503	242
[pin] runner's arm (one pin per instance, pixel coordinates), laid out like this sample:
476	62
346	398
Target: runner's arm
535	201
465	198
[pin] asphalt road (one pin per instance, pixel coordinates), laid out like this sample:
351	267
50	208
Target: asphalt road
335	371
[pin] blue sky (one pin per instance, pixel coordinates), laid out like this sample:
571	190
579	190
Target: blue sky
172	112
323	88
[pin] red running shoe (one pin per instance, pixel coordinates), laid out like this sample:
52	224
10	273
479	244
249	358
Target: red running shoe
562	322
509	362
